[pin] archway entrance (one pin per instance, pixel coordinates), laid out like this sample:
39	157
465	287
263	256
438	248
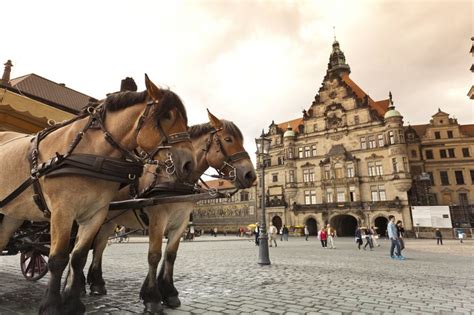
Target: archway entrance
312	226
381	225
276	221
344	224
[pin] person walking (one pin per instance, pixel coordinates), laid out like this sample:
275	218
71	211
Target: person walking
392	231
358	237
368	239
439	237
374	237
191	232
281	234
215	231
285	233
306	232
331	235
257	234
323	236
272	233
401	235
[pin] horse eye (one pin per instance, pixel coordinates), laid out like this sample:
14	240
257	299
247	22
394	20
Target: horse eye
167	115
228	139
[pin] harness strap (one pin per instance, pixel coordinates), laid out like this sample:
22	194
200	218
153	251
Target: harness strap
17	191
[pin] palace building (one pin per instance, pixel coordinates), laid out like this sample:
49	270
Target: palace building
349	160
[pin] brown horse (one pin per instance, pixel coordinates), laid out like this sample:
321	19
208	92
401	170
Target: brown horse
218	144
127	121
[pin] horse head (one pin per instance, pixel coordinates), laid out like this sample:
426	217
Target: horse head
225	152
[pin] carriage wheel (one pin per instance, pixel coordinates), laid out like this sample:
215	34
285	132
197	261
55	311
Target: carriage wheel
34	265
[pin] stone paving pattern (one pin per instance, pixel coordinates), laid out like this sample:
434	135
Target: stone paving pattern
222	277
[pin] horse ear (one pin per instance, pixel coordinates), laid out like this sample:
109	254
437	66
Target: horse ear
215	122
153	91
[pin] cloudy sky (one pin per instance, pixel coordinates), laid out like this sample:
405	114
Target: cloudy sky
249	61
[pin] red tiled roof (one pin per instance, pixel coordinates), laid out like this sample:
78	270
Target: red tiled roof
293	124
468	130
54	94
420	129
381	107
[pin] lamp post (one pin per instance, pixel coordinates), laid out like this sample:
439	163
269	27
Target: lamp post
263	147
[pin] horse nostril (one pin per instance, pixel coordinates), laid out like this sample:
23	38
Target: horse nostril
187	167
250	176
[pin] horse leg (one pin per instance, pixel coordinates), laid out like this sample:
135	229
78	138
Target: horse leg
7	227
74	287
150	293
94	276
61	225
165	277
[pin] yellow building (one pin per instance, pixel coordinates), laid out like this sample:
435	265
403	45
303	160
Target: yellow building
29	102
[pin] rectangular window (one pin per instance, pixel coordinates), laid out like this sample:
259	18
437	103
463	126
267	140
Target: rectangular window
465	152
329	196
472	176
406	168
313	150
291	176
381	141
275	177
459	177
372	143
395	165
307	152
244	196
378	168
290	153
450	134
341	195
429	154
339	172
352	194
442	153
374	193
401	136
371	167
443	175
363	143
356	120
382	195
300	153
413	154
451	153
308	175
310	197
350	170
437	135
312	177
280	160
327	172
391	137
463	199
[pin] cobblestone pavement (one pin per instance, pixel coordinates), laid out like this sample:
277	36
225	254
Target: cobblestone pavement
222	277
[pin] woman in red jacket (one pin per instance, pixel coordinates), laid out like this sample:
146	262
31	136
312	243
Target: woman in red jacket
323	236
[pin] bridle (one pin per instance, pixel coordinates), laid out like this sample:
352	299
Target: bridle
229	160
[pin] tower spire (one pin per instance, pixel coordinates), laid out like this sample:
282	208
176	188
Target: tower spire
337	61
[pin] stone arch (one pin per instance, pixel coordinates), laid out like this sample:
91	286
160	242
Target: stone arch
345	224
277	222
312	224
380	222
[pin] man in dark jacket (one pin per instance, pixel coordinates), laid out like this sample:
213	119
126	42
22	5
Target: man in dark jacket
439	237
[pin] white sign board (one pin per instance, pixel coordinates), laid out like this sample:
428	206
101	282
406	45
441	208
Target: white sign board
431	216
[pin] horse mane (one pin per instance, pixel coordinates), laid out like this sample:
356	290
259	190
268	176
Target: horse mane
202	129
170	100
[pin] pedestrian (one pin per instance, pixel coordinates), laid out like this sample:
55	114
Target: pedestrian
272	233
215	231
375	236
306	232
257	234
281	234
285	232
191	232
461	236
368	239
358	237
331	235
122	232
439	237
323	237
401	235
392	231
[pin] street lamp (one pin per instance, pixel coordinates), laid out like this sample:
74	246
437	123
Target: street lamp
263	147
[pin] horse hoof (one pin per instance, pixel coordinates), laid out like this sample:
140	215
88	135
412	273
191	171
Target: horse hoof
98	290
50	310
172	301
73	307
153	308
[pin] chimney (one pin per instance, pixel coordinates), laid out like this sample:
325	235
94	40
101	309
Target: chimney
128	84
6	73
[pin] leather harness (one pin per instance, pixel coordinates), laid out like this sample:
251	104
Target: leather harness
126	170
